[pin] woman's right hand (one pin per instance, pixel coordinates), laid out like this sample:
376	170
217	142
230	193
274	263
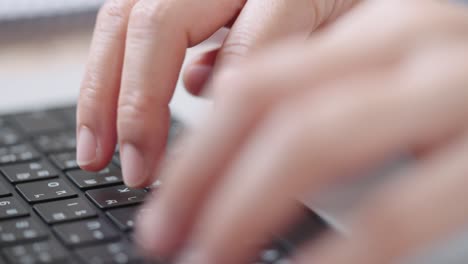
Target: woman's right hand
136	54
292	120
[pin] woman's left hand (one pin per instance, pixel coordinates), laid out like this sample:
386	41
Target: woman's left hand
389	76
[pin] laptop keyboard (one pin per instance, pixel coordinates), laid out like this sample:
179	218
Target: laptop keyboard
53	212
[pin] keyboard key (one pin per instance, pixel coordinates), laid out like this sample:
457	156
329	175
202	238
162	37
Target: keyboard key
125	217
117	252
271	255
39	252
24	172
85	232
65	210
116	159
3	190
65	161
20	231
38	123
17	153
8	136
60	142
116	196
154	186
10	207
86	180
67	115
42	191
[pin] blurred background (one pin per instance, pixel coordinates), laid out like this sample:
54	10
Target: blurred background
61	14
43	49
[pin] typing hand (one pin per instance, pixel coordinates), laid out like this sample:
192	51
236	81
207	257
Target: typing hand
136	54
295	118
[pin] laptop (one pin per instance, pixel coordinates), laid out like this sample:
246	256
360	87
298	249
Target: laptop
53	212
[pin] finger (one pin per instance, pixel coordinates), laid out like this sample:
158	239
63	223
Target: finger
400	220
198	71
96	129
240	110
173	213
220	138
162	30
350	131
261	22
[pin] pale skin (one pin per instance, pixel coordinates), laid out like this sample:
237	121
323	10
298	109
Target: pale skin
353	84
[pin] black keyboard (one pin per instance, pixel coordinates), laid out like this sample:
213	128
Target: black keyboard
53	212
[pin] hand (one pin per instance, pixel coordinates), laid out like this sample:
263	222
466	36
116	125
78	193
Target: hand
389	76
136	54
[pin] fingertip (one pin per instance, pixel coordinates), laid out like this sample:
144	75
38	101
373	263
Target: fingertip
143	131
199	71
196	76
134	169
89	153
96	114
87	147
153	234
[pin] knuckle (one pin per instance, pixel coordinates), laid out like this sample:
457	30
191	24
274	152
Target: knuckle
114	11
135	108
88	103
96	100
89	95
90	92
238	45
326	10
139	119
339	7
146	15
113	8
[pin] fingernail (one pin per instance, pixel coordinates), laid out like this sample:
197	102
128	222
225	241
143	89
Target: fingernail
199	75
87	146
156	233
133	165
153	232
